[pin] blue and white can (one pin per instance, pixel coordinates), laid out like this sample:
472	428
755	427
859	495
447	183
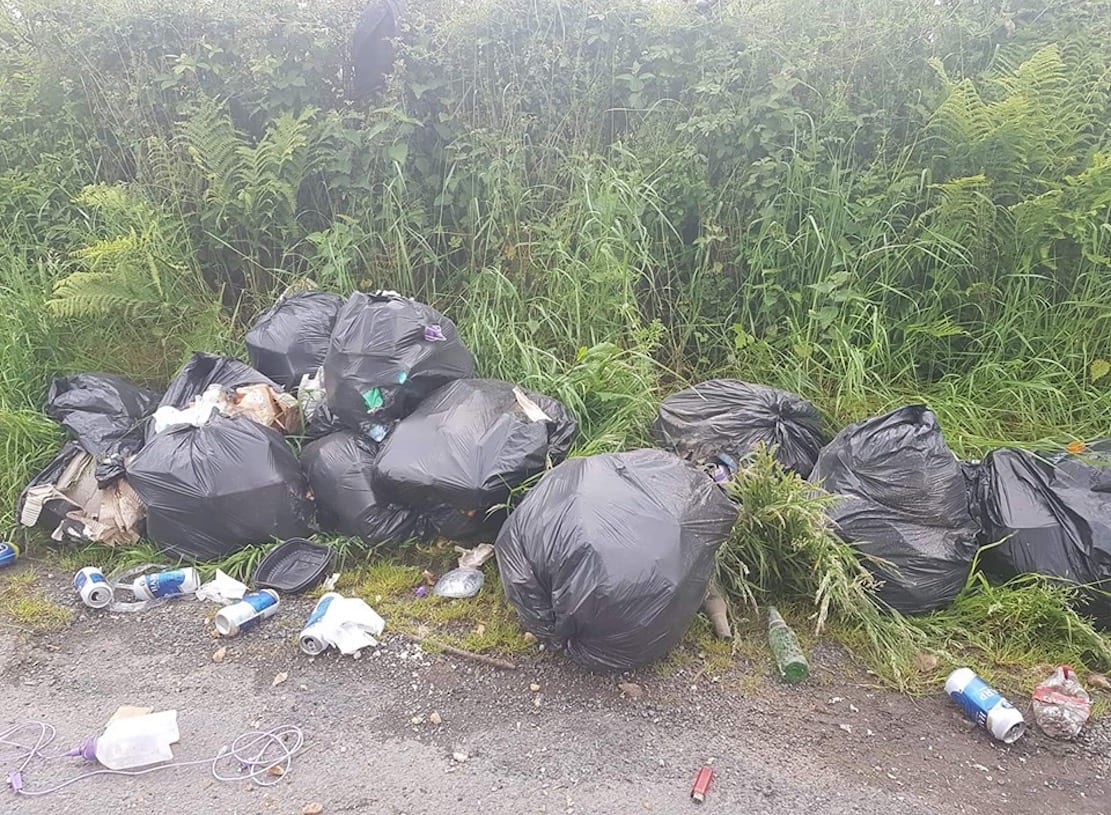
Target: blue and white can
312	643
985	705
166	584
258	605
95	591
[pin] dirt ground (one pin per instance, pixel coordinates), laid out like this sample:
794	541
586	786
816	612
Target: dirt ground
837	744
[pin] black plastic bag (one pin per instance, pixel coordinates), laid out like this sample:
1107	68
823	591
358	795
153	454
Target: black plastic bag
1053	518
470	443
343	476
731	418
105	413
609	557
212	490
388	353
290	340
204	370
907	500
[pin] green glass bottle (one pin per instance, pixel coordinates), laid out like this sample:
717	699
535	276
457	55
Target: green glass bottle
786	649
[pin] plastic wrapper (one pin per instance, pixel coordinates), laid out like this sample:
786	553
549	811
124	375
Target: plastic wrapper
609	557
1051	516
1061	705
906	500
105	414
726	417
386	354
212	490
468	445
342	472
291	339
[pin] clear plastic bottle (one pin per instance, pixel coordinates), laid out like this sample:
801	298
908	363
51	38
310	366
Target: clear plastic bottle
785	646
134	741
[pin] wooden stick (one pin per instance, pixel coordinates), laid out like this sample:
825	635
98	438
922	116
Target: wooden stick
493	662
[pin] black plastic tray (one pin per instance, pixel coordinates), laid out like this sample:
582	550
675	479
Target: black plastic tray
294	565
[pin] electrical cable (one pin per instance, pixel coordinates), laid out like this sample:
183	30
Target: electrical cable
255	753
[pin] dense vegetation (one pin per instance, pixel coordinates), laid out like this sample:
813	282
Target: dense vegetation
864	202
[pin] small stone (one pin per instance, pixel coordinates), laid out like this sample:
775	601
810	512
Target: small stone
926	662
631	689
530	637
315	808
536	701
302	687
459	756
1099	681
848	728
418	719
279	678
435	718
219	654
854	708
534	687
480	629
276	770
833	700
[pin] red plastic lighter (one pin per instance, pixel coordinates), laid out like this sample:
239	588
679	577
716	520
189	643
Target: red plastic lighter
702	784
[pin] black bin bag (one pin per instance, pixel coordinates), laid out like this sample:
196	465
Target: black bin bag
609	557
470	443
732	418
204	370
105	414
386	354
342	473
212	490
905	499
290	339
1053	517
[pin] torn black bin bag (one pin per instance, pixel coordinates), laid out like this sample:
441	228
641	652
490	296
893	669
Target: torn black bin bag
609	557
212	490
1053	517
470	443
732	418
290	340
343	476
387	353
906	500
105	413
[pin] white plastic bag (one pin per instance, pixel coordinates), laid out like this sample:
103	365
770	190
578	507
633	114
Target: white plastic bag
1061	705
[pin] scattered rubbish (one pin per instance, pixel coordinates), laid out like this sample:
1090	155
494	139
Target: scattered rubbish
171	583
276	770
8	553
219	654
105	414
926	662
567	564
905	506
702	784
428	578
459	756
259	403
792	663
294	566
290	339
435	718
726	416
95	591
631	689
465	448
474	558
421	591
132	741
342	472
1061	705
347	623
848	728
212	490
379	364
279	678
66	499
330	583
1053	518
312	809
223	588
459	583
984	705
534	687
717	610
256	606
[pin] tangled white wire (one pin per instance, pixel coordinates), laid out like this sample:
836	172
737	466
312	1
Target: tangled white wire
254	755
